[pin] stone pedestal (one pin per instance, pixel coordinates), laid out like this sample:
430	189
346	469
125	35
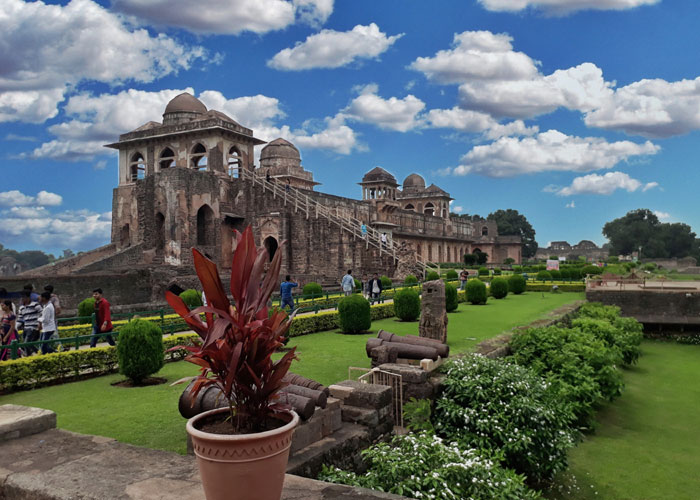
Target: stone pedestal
433	317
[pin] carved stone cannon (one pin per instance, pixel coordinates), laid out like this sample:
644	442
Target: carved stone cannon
442	349
403	350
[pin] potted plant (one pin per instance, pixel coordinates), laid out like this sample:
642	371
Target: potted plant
242	449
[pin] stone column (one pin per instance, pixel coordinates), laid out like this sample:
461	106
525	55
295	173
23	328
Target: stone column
433	318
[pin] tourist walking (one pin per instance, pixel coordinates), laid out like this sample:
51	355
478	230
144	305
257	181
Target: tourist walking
29	288
375	287
9	329
363	230
6	296
383	238
54	299
103	318
28	320
347	284
47	321
286	293
463	277
287	187
365	286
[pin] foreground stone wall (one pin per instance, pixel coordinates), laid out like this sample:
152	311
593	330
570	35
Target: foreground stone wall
653	307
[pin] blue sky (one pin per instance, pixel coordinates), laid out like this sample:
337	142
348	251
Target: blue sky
571	111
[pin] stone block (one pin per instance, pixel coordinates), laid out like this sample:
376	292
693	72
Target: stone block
331	419
307	433
362	416
409	374
19	421
362	395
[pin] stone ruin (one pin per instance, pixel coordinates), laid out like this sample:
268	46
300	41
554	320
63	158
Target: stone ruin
433	317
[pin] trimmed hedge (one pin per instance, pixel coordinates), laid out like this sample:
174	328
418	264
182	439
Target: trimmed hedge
483	271
451	275
410	280
140	350
451	301
192	298
563	287
354	314
407	304
386	282
86	308
476	291
544	276
517	284
499	288
312	288
432	276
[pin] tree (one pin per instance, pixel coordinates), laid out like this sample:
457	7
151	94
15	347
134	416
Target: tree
481	257
470	259
511	222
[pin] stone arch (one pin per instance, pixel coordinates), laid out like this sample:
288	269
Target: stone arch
205	226
271	246
409	206
160	231
198	157
234	161
125	236
166	159
485	231
137	167
429	209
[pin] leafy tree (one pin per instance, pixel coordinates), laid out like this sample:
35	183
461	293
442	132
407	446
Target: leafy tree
481	257
470	259
511	222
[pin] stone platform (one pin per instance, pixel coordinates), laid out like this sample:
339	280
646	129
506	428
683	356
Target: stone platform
44	463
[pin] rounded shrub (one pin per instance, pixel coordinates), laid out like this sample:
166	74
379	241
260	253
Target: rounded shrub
451	302
518	269
650	266
432	276
192	298
517	284
497	271
565	274
386	282
354	314
591	270
358	286
574	274
476	291
410	280
140	349
483	271
556	275
86	307
499	288
407	304
544	276
451	275
312	288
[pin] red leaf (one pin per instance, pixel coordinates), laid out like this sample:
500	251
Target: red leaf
211	282
181	308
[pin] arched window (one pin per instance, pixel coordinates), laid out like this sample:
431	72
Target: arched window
429	209
271	246
205	226
125	236
484	231
137	167
409	207
198	158
160	231
167	159
234	161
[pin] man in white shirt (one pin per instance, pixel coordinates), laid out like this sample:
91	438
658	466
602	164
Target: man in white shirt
347	284
47	320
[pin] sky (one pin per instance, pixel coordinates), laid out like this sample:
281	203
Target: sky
572	112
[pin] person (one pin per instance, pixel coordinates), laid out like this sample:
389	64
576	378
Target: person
9	329
383	237
30	288
287	186
463	277
47	321
6	296
103	318
375	287
267	176
28	320
365	286
286	293
347	284
363	229
54	299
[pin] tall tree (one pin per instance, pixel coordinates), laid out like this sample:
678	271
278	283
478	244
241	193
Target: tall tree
511	222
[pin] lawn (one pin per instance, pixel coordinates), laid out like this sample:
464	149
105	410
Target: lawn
149	417
647	445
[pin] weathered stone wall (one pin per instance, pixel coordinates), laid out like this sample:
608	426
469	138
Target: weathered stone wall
653	307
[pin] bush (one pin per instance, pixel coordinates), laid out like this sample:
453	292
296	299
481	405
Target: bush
649	266
354	314
192	298
483	271
432	276
386	283
605	322
410	280
476	291
470	259
556	275
407	304
451	275
499	288
507	410
565	274
577	364
497	271
140	349
517	284
544	276
86	308
313	288
518	269
591	270
358	285
424	466
451	302
575	274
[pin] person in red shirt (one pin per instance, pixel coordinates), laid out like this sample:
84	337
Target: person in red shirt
103	318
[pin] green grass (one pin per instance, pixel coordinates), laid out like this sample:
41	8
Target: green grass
149	417
647	445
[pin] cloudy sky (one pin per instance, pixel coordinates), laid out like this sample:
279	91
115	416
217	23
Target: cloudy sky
571	111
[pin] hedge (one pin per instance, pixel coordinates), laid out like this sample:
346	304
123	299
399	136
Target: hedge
563	287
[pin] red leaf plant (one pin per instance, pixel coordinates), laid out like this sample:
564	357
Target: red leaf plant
238	340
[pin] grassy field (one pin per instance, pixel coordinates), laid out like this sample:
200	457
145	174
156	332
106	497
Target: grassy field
148	416
647	446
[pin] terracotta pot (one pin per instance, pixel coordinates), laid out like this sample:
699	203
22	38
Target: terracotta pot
242	466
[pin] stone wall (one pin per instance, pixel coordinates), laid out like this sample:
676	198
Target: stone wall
657	307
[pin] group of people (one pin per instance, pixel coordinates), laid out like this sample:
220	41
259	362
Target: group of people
36	319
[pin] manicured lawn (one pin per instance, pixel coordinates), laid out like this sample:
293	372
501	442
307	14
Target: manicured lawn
647	445
149	417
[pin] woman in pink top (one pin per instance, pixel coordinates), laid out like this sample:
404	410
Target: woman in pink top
9	332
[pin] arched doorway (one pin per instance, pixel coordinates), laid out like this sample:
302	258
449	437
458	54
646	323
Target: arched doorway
160	231
234	162
429	209
167	159
271	246
137	167
198	158
124	236
484	231
205	226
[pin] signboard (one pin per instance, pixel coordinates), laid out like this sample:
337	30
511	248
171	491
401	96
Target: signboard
552	265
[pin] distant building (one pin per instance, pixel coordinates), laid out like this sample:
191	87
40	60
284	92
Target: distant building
584	248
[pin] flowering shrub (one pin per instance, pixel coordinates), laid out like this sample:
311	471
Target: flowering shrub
424	466
507	409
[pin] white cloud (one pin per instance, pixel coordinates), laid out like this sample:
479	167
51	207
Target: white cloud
333	49
16	198
457	209
548	151
396	114
662	215
228	17
55	47
49	199
572	204
514	128
460	119
477	55
605	184
649	185
563	7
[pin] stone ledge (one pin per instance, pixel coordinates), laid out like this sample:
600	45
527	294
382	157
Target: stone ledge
19	421
354	393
